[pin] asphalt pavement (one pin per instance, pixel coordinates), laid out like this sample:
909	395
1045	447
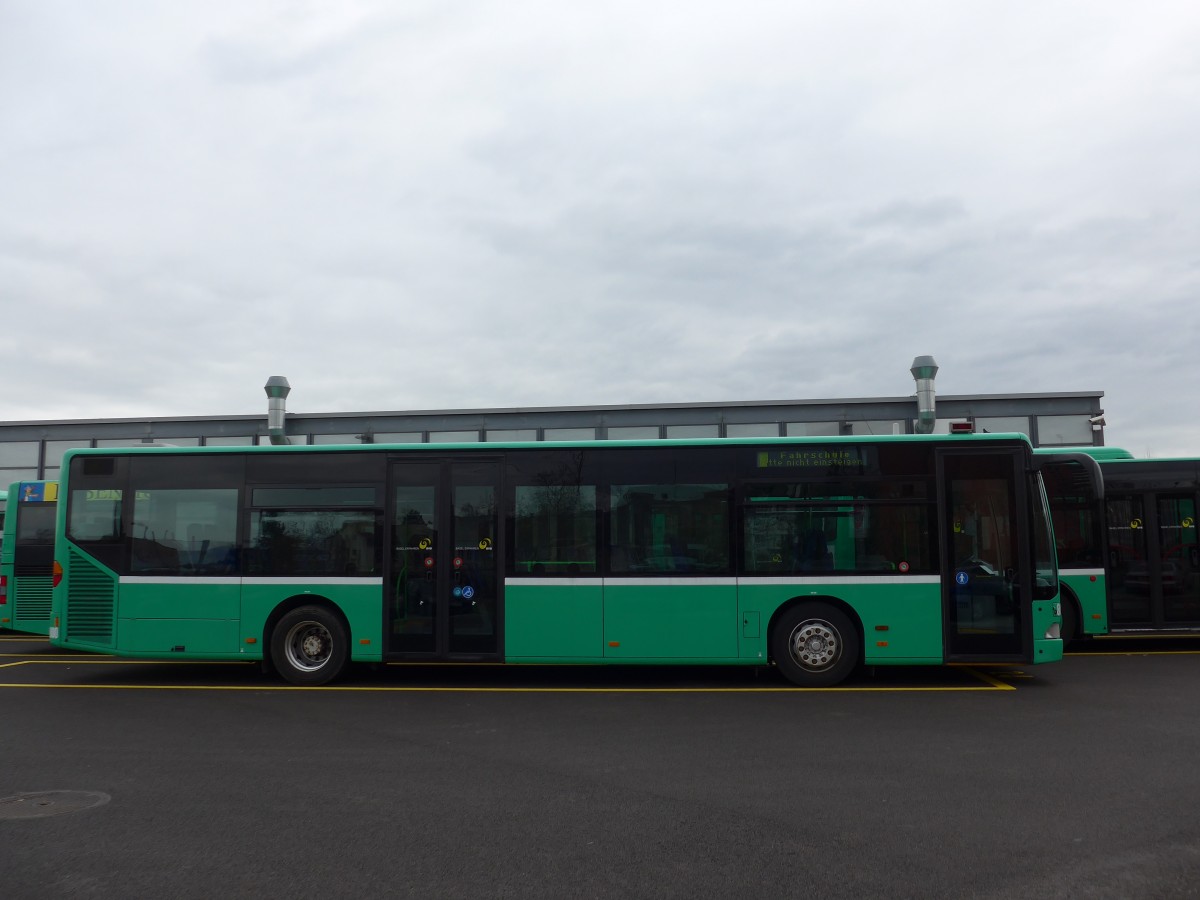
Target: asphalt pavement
132	779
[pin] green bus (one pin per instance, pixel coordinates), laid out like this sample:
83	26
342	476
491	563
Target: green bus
812	555
27	557
1129	558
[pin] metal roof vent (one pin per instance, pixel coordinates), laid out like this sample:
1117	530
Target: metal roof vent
924	370
277	389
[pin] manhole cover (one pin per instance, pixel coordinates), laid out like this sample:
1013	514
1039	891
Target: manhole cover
49	803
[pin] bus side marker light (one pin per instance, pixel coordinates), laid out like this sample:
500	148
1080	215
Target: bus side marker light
881	643
882	627
614	643
251	640
1093	578
365	641
1097	616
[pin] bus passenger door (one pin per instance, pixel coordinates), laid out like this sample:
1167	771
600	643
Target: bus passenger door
442	591
987	570
1129	596
1179	559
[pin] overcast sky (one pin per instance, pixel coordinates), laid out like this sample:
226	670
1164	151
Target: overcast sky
459	204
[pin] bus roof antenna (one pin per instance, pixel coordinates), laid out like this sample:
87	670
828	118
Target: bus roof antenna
277	389
924	370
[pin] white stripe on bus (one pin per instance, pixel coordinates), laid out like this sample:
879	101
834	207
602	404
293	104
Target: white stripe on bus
298	581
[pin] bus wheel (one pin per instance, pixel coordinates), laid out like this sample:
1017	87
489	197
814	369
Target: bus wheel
815	645
1070	623
309	646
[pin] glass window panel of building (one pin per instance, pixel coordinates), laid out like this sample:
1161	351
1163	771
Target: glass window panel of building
633	433
876	427
126	442
496	435
569	434
813	429
398	437
752	429
56	449
337	438
453	437
10	475
693	431
19	453
1064	431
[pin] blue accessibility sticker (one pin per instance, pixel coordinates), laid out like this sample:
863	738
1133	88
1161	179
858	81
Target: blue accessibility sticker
468	592
962	577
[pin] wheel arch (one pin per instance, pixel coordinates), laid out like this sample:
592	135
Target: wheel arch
1068	597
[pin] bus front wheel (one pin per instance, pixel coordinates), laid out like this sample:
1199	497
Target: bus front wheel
815	645
1070	622
309	646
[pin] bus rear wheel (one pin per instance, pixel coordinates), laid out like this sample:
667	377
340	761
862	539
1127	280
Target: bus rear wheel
815	645
310	646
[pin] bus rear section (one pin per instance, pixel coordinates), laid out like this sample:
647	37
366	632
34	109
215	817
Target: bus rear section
27	573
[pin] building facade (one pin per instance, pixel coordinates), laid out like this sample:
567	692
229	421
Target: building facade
34	450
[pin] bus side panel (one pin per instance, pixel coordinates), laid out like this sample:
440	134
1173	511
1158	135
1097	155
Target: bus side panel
553	618
29	598
178	616
1089	588
356	598
670	618
901	617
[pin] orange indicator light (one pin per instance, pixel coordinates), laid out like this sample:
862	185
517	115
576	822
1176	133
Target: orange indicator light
881	643
882	627
614	643
251	640
365	641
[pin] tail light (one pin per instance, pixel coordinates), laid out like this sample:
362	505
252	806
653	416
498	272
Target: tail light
56	574
3	589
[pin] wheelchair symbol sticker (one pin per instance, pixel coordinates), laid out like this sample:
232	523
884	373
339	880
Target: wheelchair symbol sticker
468	592
962	577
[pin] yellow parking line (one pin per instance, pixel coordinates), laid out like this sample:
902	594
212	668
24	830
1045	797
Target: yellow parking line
996	683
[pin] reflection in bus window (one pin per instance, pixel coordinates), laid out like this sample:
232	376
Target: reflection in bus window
664	528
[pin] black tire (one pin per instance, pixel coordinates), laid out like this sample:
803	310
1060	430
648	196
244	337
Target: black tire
310	646
1070	623
815	645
